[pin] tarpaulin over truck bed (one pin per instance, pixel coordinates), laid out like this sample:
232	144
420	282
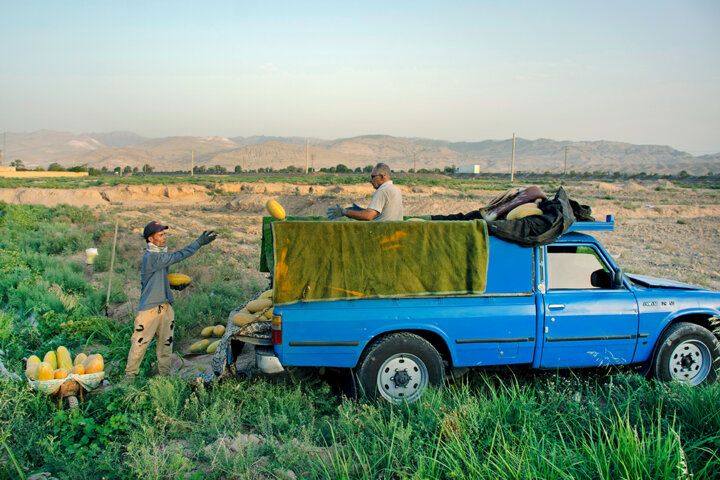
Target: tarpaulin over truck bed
330	260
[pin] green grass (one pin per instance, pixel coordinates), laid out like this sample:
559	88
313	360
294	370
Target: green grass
489	424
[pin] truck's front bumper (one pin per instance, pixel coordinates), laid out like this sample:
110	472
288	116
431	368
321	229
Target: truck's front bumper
266	360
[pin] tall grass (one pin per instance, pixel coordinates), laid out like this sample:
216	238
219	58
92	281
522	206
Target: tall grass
512	424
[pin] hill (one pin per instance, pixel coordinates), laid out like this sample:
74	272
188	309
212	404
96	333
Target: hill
174	153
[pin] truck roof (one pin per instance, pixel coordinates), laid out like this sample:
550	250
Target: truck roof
607	226
575	237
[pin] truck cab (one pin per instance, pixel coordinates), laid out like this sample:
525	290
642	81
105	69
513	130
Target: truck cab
563	305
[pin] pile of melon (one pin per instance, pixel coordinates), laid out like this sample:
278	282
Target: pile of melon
205	345
259	309
58	364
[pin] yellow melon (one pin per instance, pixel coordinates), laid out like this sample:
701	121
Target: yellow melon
219	330
78	370
266	294
213	346
177	279
81	357
207	331
61	373
51	358
524	210
258	305
63	358
243	318
94	364
275	209
31	370
32	360
45	371
269	313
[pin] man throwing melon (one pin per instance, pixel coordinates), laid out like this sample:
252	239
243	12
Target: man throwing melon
155	313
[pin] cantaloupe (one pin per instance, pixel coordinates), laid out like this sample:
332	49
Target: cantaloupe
51	358
61	373
177	279
78	370
258	305
275	209
219	330
266	294
63	358
269	313
524	210
207	331
81	357
94	364
45	371
243	318
213	346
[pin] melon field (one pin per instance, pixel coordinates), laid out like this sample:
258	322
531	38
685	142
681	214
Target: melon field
491	423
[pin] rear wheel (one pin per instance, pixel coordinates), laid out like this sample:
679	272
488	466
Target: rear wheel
399	368
688	353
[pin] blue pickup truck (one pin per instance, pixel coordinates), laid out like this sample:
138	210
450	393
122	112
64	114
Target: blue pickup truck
563	305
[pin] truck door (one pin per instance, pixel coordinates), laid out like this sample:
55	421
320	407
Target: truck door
585	325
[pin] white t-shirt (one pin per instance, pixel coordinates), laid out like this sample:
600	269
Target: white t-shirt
387	201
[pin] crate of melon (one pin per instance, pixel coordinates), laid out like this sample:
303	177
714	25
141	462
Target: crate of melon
57	374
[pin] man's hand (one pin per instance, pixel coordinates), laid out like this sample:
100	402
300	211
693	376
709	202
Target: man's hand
336	211
207	237
355	206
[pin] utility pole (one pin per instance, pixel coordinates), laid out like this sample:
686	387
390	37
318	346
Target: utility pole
415	162
312	162
4	149
565	170
512	168
307	155
192	162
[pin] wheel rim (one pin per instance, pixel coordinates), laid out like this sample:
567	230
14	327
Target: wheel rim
690	362
402	378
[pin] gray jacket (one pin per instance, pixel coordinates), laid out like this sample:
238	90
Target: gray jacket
154	276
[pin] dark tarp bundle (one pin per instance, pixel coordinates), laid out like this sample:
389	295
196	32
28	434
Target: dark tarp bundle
316	260
558	214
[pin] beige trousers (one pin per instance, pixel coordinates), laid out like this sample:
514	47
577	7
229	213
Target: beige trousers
157	322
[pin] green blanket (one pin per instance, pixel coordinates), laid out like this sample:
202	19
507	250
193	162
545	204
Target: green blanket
330	260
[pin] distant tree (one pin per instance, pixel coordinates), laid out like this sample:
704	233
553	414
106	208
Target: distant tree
200	169
340	168
56	167
77	168
684	174
19	165
126	170
103	169
238	169
358	170
367	168
449	169
38	169
94	172
117	170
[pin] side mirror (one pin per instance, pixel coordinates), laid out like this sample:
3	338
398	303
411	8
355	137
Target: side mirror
601	279
618	279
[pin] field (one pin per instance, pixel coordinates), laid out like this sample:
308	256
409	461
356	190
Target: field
489	424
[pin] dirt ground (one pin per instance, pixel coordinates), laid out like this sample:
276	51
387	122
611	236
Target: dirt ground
661	229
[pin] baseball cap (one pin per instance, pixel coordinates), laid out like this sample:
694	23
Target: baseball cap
153	227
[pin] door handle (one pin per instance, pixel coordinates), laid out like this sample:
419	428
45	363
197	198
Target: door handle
555	306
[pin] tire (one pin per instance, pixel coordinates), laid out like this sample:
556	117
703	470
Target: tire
399	368
687	353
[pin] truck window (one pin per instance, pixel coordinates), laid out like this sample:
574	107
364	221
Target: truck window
570	267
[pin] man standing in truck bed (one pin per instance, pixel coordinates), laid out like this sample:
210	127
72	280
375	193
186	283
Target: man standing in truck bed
386	203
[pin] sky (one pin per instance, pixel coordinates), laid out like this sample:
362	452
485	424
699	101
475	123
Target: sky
644	72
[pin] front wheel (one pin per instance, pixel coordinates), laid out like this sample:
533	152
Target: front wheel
687	353
399	368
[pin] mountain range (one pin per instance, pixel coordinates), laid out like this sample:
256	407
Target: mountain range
112	149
